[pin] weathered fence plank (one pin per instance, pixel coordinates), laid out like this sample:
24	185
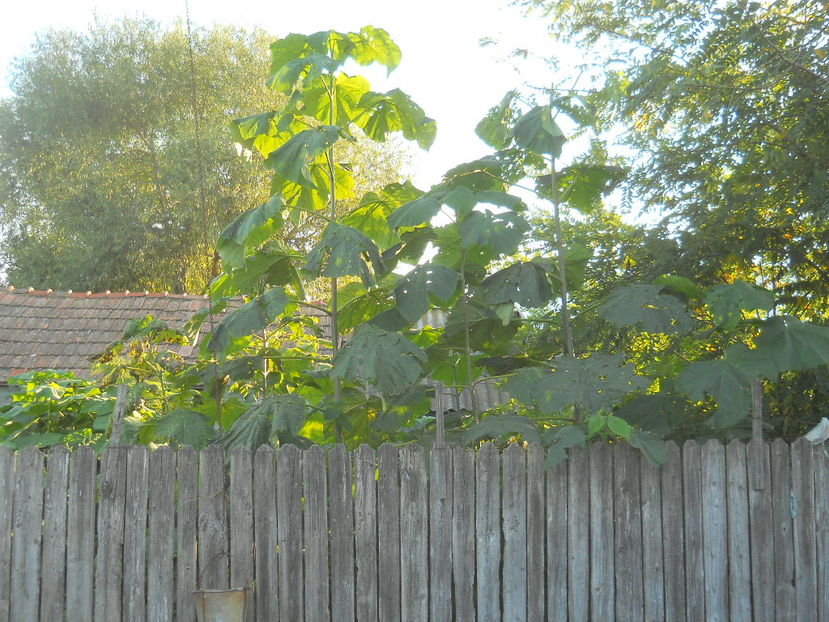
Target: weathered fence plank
602	581
241	525
694	538
6	513
627	512
187	517
265	534
463	533
80	544
821	480
414	535
535	534
315	491
388	533
715	531
53	559
488	530
365	533
673	534
739	545
341	513
135	534
760	532
578	534
289	529
782	506
653	570
557	537
803	500
514	512
161	535
28	512
440	533
109	564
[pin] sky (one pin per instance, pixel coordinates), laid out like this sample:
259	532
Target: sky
444	68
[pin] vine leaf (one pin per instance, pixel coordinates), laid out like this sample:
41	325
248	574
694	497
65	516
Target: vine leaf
537	132
382	359
727	301
188	427
249	230
643	305
793	344
525	283
413	289
340	252
249	318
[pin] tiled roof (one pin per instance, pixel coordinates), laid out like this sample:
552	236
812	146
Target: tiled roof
63	330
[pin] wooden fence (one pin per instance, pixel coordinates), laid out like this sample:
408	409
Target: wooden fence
719	533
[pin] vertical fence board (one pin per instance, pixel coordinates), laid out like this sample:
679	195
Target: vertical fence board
80	545
673	534
6	512
365	533
341	513
557	537
782	506
761	538
440	533
602	593
388	533
135	535
28	512
821	475
414	535
53	562
488	530
514	513
739	546
109	565
628	533
241	525
578	535
694	542
715	531
289	529
653	570
463	533
535	534
804	530
187	516
265	535
213	537
161	535
317	592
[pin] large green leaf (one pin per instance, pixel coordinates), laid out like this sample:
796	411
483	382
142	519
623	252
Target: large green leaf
363	308
537	132
644	305
291	161
501	232
417	212
793	344
385	360
582	185
289	414
495	129
348	90
723	379
660	413
727	301
496	426
250	318
251	429
651	445
395	112
563	438
272	265
413	289
184	426
372	214
249	230
524	283
341	251
595	382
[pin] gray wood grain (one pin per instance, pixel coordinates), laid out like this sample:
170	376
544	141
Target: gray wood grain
627	511
317	582
6	513
213	549
653	554
80	545
109	563
463	533
535	534
28	513
265	535
781	499
440	533
602	574
135	534
557	514
715	531
289	529
161	535
388	533
341	525
673	534
578	535
805	571
694	539
488	530
514	525
761	538
365	533
187	518
821	473
241	525
739	547
414	535
53	559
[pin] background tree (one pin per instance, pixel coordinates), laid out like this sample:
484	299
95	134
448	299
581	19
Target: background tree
118	165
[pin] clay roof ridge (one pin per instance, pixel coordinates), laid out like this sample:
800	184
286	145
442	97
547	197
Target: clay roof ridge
105	294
